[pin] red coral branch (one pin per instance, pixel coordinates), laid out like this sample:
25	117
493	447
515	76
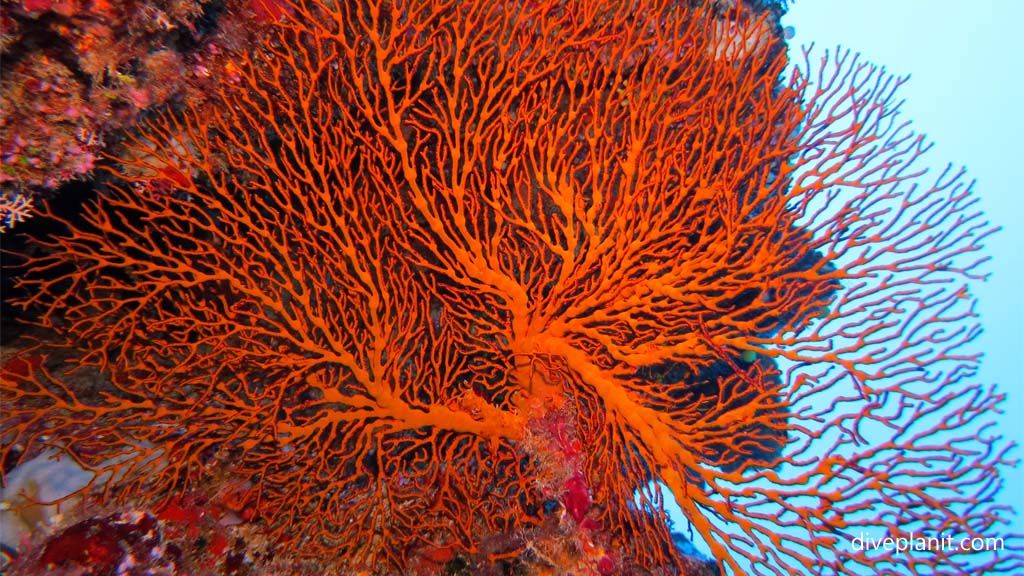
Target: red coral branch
429	265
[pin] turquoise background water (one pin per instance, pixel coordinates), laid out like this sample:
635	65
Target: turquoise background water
966	67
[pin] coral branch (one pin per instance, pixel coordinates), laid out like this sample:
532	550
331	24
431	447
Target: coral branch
431	268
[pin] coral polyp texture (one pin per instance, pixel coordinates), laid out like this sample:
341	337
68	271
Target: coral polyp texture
451	283
77	75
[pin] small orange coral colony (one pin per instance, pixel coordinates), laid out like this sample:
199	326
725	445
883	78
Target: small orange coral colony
438	280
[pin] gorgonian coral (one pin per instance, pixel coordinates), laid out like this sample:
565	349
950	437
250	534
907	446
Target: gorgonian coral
429	266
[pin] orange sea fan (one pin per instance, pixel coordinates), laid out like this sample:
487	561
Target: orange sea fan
437	265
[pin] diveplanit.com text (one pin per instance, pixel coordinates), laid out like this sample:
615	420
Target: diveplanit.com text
913	542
